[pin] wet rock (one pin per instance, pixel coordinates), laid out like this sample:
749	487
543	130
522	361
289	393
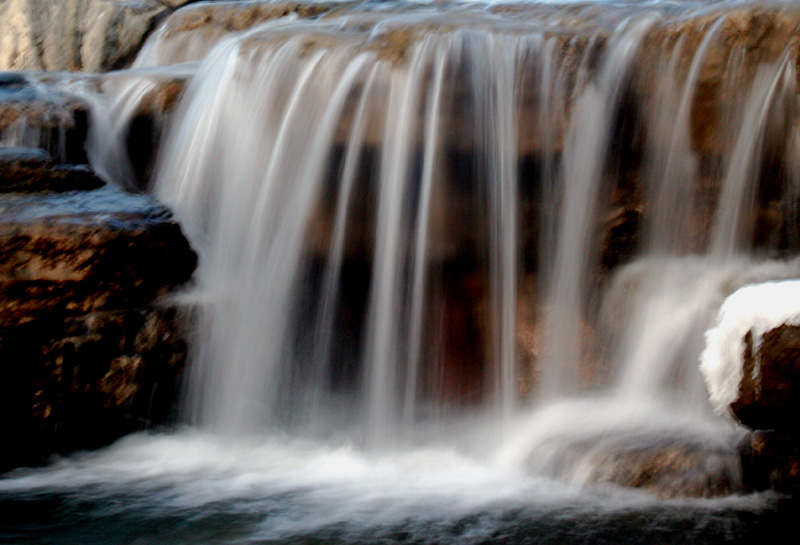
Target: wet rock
164	96
149	123
749	36
87	353
32	170
672	469
35	115
772	461
84	251
769	393
88	35
621	229
80	382
532	340
18	162
768	401
665	465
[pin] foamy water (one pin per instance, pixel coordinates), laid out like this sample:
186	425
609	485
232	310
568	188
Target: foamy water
168	488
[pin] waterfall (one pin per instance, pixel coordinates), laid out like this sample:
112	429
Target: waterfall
355	183
458	264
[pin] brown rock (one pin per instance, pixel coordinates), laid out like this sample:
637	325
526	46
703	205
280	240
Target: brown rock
83	381
772	460
31	170
150	116
769	394
667	465
86	354
84	251
672	469
769	402
192	31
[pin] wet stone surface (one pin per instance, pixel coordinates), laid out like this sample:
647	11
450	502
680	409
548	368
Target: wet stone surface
40	116
769	394
86	250
665	465
769	401
25	170
87	351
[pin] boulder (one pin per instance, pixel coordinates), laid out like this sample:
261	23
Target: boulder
672	469
80	382
752	369
666	464
772	461
769	402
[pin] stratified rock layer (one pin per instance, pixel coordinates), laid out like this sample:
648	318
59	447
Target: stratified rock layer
31	170
87	353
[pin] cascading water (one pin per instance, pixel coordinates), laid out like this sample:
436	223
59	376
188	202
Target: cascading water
389	199
443	127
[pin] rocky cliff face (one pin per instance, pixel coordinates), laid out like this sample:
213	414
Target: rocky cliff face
89	35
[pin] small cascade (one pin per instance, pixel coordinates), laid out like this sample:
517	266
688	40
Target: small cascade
459	265
378	196
416	219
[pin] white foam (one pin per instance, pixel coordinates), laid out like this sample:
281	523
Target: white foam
756	309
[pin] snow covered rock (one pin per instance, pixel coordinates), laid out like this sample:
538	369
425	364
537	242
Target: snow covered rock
752	358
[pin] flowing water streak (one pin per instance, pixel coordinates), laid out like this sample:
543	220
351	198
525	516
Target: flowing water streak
417	304
503	189
583	171
669	300
242	332
381	358
493	83
672	164
677	297
324	326
735	204
122	96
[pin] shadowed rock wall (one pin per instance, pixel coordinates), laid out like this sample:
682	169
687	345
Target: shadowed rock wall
87	353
